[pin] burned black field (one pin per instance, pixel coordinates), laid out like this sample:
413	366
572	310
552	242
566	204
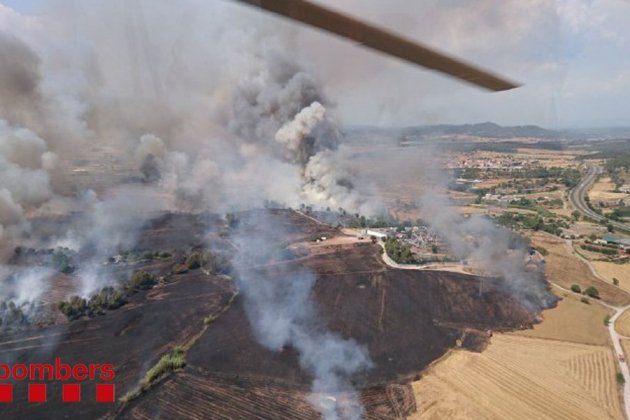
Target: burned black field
405	318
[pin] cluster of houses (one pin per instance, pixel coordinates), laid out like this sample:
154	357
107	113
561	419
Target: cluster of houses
420	236
491	163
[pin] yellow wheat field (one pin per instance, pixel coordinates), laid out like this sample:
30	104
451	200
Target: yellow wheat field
609	271
521	378
572	320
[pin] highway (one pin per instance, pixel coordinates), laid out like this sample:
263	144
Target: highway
578	194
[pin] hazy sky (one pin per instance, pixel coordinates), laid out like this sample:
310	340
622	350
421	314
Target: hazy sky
573	57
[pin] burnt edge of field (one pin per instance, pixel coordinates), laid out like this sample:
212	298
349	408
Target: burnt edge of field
407	319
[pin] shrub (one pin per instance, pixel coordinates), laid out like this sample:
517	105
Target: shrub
210	319
61	262
172	361
607	320
585	300
592	292
12	315
620	379
615	281
603	249
211	262
576	288
194	260
73	308
107	299
142	280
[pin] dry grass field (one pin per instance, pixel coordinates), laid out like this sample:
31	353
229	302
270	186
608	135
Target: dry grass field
521	378
548	158
603	190
565	269
572	321
585	228
562	212
623	324
471	210
609	271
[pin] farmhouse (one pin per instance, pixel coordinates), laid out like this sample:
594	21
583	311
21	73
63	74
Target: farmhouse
613	240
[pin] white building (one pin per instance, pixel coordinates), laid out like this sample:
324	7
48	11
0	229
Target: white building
376	234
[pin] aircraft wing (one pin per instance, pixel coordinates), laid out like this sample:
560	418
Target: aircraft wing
381	40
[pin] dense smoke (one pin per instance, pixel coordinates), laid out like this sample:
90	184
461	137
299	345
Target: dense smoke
282	313
479	241
20	293
34	126
105	228
286	104
24	178
201	129
213	117
20	94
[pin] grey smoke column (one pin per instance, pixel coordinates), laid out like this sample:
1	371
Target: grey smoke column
281	108
282	313
479	239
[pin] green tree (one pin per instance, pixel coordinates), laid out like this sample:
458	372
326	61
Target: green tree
576	288
592	292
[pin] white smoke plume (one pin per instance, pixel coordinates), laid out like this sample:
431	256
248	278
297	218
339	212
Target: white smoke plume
217	112
482	242
106	227
24	179
293	134
281	310
20	294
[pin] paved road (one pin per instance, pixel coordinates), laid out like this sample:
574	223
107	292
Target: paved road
619	351
578	194
614	336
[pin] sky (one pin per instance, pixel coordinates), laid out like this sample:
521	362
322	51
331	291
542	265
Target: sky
572	56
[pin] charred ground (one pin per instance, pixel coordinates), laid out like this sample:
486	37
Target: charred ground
406	318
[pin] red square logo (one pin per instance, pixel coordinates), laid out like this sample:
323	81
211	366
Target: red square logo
71	392
105	393
6	393
36	393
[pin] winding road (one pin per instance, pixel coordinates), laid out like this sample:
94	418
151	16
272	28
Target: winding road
577	196
619	350
614	335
